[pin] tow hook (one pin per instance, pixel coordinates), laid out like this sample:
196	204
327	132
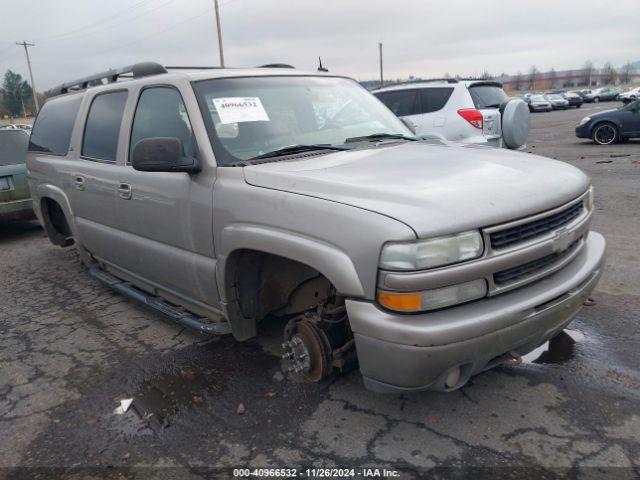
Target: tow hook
589	302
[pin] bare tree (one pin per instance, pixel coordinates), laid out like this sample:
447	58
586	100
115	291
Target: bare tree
552	78
587	72
608	74
625	73
533	76
486	75
517	82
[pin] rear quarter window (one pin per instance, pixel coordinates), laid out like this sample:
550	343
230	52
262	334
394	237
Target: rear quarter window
52	131
434	99
487	96
13	147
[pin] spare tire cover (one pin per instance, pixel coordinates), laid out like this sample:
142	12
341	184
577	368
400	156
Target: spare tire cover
516	122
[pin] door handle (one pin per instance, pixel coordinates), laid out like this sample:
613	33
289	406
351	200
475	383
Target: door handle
78	181
124	191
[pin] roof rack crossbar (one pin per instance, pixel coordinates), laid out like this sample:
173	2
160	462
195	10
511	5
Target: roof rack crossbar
138	70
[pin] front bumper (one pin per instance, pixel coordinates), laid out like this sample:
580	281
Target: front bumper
416	352
583	131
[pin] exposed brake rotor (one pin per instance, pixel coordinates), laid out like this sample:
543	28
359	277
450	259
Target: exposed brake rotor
308	350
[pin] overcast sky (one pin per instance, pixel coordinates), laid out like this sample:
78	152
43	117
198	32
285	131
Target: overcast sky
75	38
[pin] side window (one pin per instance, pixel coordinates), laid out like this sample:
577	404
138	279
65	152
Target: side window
52	131
161	113
102	129
434	99
401	102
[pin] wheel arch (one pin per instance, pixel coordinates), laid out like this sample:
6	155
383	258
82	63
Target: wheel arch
57	215
251	253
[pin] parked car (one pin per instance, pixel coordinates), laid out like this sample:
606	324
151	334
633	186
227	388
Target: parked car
538	103
611	126
583	92
15	201
469	111
602	94
574	99
630	95
222	197
557	101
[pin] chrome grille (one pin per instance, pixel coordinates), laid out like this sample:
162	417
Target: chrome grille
530	230
515	274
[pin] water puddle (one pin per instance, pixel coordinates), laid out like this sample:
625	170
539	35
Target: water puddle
558	350
160	398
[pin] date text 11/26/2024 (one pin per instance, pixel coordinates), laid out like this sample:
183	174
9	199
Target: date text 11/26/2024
315	473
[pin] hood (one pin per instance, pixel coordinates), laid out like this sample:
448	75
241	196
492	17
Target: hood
434	188
603	113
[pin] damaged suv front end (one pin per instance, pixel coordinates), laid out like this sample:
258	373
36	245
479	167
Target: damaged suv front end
529	277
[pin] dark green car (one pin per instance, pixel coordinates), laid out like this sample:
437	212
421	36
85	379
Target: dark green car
15	200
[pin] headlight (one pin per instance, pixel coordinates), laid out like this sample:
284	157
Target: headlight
584	120
433	299
590	199
432	252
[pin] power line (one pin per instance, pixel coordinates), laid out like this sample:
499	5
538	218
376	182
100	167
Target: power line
102	28
154	34
89	25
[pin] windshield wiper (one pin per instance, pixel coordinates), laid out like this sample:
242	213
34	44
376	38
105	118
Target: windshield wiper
291	149
380	136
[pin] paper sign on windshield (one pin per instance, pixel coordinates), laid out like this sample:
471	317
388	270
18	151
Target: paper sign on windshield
240	109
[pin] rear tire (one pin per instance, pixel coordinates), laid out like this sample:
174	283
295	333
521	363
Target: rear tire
578	106
605	133
596	100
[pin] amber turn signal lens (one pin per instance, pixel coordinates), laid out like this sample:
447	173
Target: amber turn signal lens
400	302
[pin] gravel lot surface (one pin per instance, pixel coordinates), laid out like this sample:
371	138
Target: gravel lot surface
70	348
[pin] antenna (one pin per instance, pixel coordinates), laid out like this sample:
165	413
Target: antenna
320	67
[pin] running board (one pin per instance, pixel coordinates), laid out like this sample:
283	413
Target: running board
156	303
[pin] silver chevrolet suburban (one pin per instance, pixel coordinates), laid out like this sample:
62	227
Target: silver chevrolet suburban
222	197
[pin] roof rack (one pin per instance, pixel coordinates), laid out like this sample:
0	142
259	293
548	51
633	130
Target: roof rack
190	67
138	70
276	65
426	80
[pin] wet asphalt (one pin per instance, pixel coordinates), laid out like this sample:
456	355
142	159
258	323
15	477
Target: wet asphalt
70	348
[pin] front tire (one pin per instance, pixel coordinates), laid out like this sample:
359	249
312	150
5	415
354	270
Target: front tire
605	133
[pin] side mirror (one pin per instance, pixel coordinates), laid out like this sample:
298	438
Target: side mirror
162	154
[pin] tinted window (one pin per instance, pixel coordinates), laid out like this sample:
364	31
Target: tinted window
434	99
487	96
161	113
13	146
103	126
52	130
401	102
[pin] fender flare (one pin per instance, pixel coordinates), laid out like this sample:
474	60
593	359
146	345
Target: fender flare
58	195
328	259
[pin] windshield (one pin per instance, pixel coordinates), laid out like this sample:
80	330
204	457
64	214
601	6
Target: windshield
538	98
252	116
554	97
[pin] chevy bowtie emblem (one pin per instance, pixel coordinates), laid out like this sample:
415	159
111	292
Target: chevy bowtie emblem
562	239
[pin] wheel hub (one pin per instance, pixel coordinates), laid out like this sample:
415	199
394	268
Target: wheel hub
307	349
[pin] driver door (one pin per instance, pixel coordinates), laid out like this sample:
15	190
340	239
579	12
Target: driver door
167	216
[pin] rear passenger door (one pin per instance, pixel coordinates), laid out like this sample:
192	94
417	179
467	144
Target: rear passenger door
405	103
94	176
166	217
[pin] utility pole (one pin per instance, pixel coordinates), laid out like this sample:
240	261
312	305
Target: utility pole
33	85
215	3
380	50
